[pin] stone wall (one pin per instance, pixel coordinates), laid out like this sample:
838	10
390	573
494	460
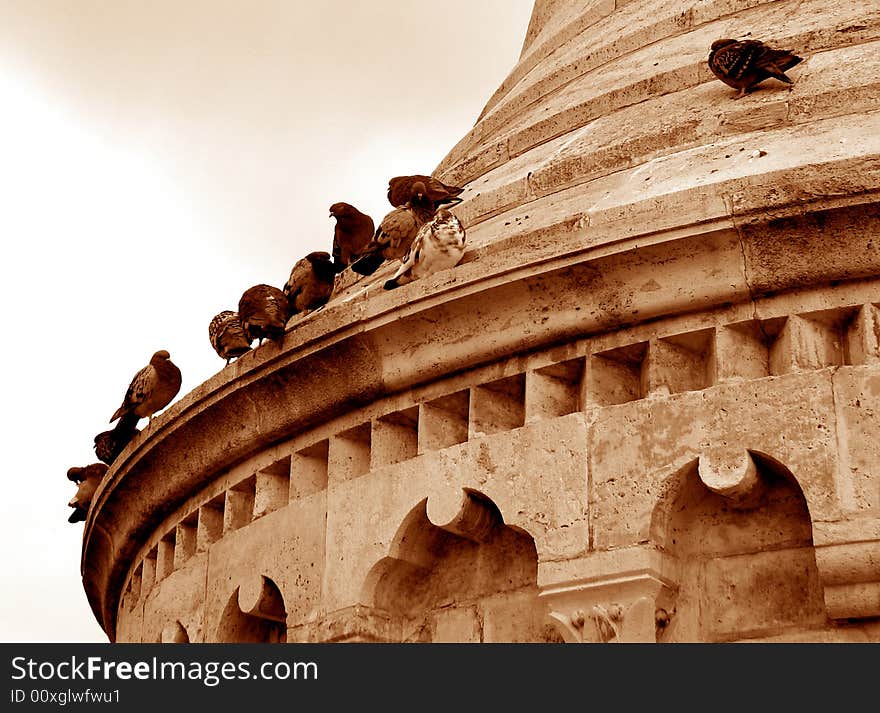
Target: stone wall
645	406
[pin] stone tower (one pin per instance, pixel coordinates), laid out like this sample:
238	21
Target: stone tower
644	407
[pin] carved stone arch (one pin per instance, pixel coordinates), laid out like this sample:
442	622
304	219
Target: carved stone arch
739	527
254	613
743	479
455	572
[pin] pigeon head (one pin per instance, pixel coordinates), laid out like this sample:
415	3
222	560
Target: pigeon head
718	44
161	354
95	471
419	190
340	209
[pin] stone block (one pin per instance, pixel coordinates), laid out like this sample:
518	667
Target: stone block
394	438
515	617
349	453
185	540
210	524
309	470
741	352
857	407
443	422
497	406
272	487
238	509
763	592
554	390
457	624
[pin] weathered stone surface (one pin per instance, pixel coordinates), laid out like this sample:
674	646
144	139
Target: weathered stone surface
857	401
287	546
764	592
626	483
180	599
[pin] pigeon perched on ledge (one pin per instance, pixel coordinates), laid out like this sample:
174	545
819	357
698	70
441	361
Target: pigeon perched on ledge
87	480
401	190
310	283
228	336
352	233
152	388
109	444
743	64
439	245
263	311
395	234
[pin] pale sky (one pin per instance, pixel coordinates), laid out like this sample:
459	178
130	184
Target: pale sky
157	159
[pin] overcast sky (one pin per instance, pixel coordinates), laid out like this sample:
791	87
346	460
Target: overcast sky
158	158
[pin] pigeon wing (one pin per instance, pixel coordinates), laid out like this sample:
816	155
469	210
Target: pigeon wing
139	390
412	258
774	62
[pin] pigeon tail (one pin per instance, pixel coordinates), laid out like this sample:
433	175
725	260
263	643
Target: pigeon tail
368	264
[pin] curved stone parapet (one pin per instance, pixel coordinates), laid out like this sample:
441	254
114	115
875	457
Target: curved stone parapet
666	326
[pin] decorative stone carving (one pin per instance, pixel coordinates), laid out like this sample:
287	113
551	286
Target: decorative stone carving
261	598
732	474
632	606
465	513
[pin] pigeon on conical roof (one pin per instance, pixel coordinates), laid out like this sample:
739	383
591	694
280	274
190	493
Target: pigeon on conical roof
152	388
263	311
395	233
743	64
87	480
439	245
109	444
310	283
401	190
352	233
228	336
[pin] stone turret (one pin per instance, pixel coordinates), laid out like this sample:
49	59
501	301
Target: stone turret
644	407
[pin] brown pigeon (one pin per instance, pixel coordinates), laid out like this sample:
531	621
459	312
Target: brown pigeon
310	283
227	335
352	234
439	245
395	234
152	388
401	190
263	311
110	444
87	480
743	64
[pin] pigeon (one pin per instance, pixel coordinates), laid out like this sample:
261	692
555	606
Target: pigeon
110	444
352	233
402	188
227	336
743	64
395	234
152	388
87	480
263	311
310	283
439	245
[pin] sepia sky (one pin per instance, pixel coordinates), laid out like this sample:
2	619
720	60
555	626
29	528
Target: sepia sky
158	158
